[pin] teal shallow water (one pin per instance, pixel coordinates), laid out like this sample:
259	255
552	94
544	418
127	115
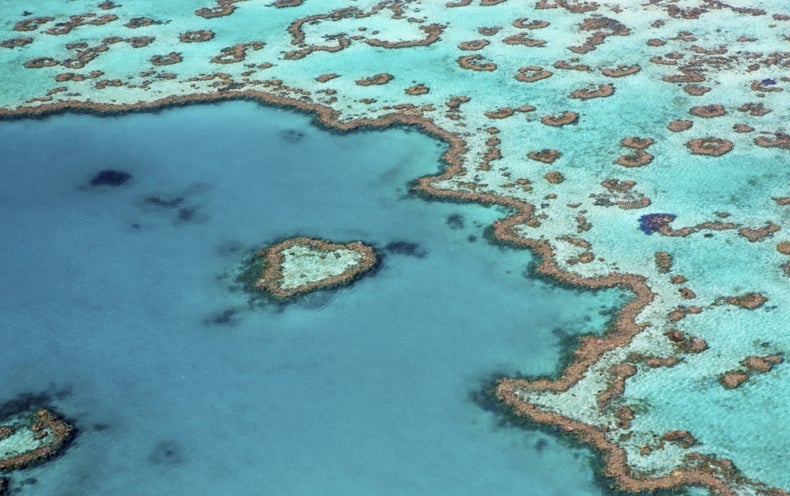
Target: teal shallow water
114	302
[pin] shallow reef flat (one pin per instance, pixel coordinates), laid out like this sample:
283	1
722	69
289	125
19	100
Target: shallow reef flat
642	146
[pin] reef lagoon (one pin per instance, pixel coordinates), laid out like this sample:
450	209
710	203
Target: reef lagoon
396	246
121	307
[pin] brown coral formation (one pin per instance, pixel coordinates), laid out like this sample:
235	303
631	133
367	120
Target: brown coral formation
637	143
686	344
547	155
135	41
733	379
475	63
198	36
637	158
602	91
708	111
71	76
222	9
554	177
323	78
273	257
492	153
760	233
560	120
621	71
762	364
617	377
696	89
679	125
755	109
16	42
780	140
524	23
236	53
748	301
41	62
568	66
523	39
685	76
683	438
375	80
663	262
140	22
489	31
76	21
742	128
753	364
602	28
32	23
500	113
417	89
532	73
169	59
473	45
681	311
624	417
709	146
432	33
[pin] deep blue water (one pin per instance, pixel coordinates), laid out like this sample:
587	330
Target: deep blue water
120	304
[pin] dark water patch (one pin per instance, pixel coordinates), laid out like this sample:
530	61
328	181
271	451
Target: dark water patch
30	481
471	238
225	318
99	427
292	135
484	395
159	202
168	452
455	221
32	401
110	177
230	248
406	248
541	444
186	214
173	209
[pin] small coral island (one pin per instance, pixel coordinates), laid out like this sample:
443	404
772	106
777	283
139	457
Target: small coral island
300	265
30	438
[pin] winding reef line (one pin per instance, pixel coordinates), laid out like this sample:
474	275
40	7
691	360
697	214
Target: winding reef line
590	349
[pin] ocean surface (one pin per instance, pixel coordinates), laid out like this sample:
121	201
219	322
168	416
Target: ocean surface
120	310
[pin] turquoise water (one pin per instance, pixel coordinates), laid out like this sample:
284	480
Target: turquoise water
125	313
